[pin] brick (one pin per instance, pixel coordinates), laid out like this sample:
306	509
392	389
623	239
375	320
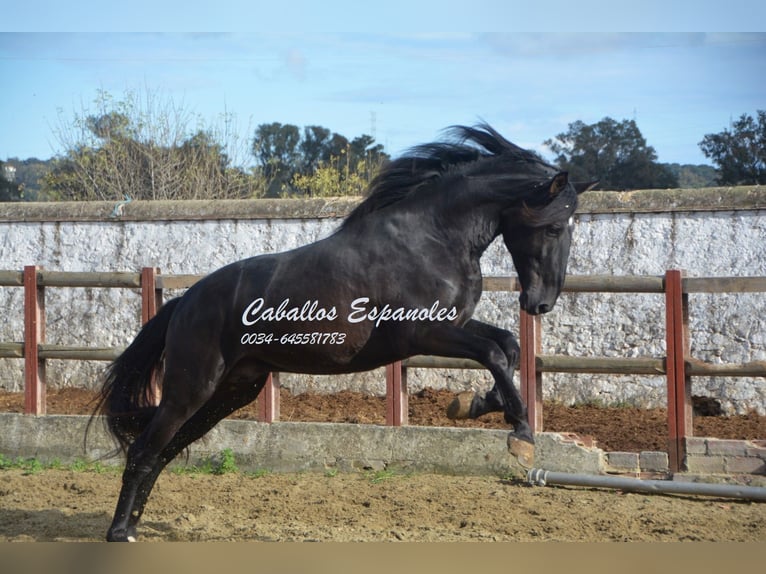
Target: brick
696	445
587	441
623	461
745	464
705	464
653	461
727	447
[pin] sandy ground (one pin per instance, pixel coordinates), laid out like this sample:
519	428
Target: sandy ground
64	505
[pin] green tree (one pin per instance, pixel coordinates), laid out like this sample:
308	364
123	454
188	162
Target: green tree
145	148
615	153
275	147
329	179
9	190
313	147
739	153
336	147
316	163
29	176
366	155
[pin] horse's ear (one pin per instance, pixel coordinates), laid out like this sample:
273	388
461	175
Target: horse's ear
582	187
558	183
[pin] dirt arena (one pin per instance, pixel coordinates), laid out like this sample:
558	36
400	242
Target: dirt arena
64	505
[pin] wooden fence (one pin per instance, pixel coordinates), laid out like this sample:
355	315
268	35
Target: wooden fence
677	366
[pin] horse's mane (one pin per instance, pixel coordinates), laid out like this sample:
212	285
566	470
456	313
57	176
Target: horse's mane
462	152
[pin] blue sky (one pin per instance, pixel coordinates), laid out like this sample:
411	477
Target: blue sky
403	87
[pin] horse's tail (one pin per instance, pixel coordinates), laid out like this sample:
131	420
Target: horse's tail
126	394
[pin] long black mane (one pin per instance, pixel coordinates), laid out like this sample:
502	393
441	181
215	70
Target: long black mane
478	151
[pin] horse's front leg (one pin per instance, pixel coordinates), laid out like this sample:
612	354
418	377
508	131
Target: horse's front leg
470	405
473	343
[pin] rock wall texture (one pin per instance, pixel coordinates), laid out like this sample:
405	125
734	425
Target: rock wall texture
711	232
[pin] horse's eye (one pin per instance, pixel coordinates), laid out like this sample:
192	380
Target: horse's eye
555	230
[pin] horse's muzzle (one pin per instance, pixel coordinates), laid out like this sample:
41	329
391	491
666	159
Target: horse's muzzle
533	305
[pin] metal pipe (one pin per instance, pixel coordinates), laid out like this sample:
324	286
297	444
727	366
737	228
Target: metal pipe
540	477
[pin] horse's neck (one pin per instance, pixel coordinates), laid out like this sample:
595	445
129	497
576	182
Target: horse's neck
464	224
474	224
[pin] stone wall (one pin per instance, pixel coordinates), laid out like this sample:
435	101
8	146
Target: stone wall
711	232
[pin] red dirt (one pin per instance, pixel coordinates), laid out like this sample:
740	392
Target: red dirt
624	429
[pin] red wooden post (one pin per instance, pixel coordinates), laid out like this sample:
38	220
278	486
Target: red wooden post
678	382
151	301
151	295
531	381
397	409
268	400
34	334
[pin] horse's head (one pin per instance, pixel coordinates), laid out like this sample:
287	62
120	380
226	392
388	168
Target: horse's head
538	235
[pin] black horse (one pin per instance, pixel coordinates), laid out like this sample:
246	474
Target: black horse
400	277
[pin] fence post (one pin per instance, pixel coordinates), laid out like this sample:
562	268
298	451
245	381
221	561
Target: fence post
34	334
678	382
151	295
151	301
531	380
268	400
397	409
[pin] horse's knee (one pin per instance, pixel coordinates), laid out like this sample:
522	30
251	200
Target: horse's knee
499	360
512	350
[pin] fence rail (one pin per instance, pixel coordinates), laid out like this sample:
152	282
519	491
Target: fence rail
677	366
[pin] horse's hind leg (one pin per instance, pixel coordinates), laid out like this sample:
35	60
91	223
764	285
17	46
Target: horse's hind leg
225	401
143	457
182	397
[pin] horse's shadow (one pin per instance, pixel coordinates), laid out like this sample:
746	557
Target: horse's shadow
51	525
54	525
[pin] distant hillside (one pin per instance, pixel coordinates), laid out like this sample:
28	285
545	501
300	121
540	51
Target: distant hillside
693	176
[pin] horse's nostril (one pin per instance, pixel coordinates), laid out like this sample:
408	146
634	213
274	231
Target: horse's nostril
531	307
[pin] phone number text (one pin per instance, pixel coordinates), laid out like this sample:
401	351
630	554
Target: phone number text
293	339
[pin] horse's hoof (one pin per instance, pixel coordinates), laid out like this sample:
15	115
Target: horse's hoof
460	407
523	451
121	536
